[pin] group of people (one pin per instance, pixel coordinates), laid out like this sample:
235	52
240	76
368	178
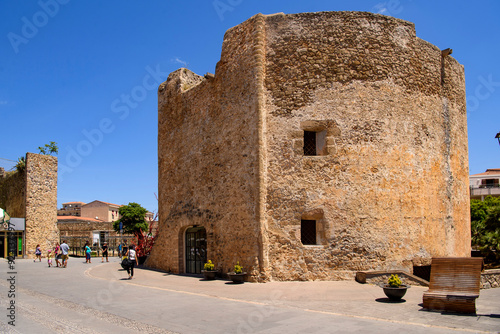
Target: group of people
59	252
61	255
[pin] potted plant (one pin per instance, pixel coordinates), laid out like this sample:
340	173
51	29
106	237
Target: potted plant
237	275
394	289
209	271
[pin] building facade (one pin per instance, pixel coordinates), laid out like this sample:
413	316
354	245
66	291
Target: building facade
485	184
107	212
71	209
325	144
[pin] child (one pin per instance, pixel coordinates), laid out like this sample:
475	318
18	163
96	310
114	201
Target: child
49	258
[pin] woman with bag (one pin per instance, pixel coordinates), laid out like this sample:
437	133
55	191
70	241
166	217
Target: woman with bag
132	259
38	253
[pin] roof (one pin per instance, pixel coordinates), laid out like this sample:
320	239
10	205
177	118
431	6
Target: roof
106	203
489	172
83	219
74	203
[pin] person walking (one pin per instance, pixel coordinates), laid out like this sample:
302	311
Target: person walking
65	253
87	253
105	252
38	253
132	261
57	254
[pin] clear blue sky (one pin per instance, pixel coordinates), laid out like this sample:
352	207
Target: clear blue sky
84	74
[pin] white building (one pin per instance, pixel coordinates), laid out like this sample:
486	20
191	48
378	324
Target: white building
485	184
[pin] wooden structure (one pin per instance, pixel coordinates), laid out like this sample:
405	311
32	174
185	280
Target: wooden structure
454	284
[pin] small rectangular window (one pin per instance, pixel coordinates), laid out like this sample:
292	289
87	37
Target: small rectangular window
308	232
309	143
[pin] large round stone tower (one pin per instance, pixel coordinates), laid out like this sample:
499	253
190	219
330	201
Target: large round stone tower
325	143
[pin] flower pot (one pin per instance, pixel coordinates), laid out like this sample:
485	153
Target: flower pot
395	294
209	274
237	278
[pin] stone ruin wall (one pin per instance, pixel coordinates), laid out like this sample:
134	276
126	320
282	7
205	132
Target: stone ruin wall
208	159
392	190
75	228
41	202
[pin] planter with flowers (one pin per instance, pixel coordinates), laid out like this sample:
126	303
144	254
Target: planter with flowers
237	275
395	290
209	272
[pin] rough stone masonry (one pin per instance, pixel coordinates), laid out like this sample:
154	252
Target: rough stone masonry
326	143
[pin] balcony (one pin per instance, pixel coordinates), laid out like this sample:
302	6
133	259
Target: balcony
485	190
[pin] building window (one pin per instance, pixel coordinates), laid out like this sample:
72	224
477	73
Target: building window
489	183
309	143
308	232
314	143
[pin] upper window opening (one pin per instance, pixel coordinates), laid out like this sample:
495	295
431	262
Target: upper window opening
314	143
309	143
308	232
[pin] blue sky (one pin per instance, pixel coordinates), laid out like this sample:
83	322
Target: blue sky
84	74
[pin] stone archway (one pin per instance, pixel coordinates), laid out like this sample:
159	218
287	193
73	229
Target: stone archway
195	249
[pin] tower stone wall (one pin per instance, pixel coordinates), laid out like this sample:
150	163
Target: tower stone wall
41	202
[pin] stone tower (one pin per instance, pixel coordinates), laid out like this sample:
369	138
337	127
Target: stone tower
325	143
32	195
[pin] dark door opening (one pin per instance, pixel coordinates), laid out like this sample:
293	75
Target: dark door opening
196	249
2	245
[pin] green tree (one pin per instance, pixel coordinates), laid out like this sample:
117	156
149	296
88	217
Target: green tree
133	219
49	148
485	228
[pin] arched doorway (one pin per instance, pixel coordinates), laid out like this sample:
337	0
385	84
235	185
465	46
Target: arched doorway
196	249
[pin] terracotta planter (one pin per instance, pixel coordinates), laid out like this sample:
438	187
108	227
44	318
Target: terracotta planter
237	278
209	274
395	294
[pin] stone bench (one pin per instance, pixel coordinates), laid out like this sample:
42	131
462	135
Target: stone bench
381	277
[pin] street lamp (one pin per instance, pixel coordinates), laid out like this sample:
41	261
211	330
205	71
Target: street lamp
498	137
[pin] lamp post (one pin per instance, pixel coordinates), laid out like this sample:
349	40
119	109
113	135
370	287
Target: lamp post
498	137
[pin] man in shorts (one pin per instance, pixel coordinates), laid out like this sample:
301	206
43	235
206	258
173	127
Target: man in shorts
65	252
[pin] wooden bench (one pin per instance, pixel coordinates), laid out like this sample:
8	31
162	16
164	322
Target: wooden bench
454	284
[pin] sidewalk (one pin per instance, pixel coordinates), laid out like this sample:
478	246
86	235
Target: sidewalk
98	298
342	298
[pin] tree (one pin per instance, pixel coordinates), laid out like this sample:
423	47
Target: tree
133	219
485	228
49	148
